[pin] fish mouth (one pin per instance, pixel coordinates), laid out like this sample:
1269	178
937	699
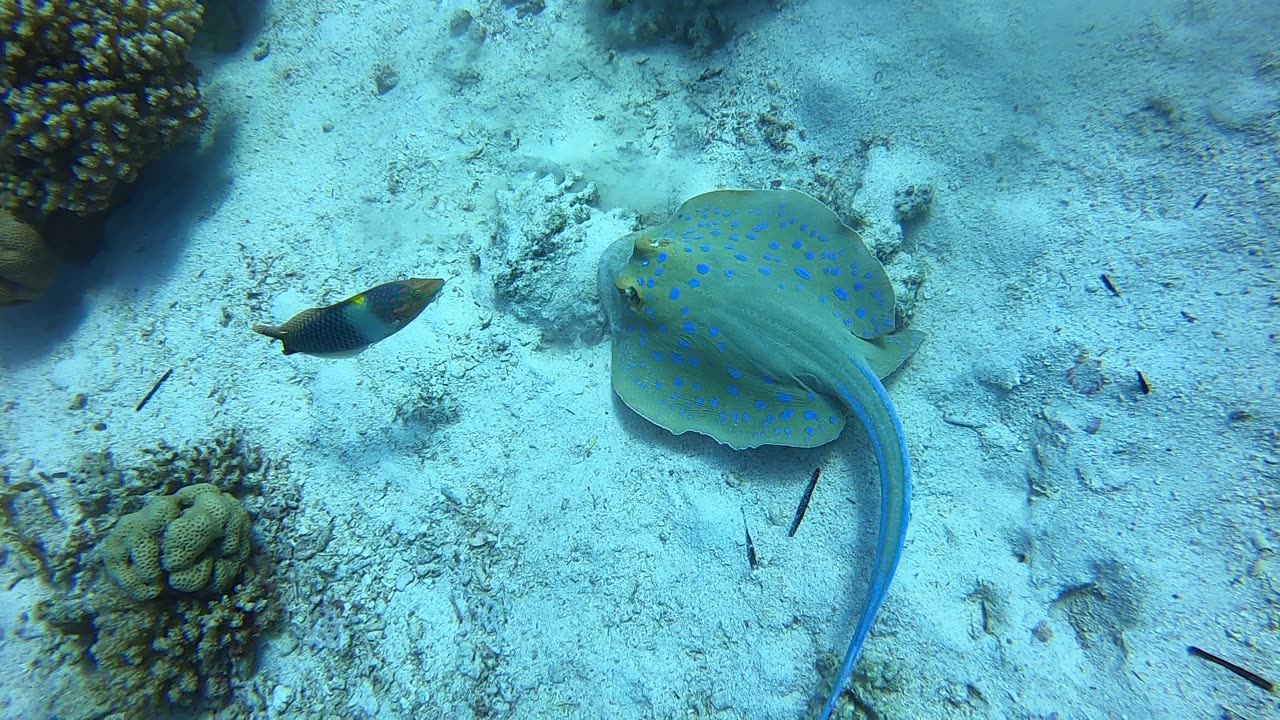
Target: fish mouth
419	293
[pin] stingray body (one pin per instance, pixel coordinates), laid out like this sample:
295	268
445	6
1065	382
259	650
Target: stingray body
758	318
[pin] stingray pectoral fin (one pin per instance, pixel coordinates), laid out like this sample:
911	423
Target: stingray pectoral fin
886	353
683	383
871	404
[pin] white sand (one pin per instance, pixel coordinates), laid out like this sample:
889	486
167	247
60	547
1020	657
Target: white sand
597	563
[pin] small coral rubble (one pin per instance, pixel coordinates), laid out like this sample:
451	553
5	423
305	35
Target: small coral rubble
91	91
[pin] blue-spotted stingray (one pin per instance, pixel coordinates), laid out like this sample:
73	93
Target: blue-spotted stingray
759	318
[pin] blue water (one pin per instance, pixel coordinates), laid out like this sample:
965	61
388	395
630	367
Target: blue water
1076	205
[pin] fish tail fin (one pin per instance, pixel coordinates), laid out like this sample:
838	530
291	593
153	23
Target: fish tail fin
275	332
271	331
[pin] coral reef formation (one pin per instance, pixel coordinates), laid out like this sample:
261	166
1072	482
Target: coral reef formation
149	651
92	90
541	264
197	539
26	265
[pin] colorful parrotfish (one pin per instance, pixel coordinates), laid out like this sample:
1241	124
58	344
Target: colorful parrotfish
757	317
347	328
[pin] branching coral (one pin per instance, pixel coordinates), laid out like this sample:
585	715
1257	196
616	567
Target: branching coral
91	90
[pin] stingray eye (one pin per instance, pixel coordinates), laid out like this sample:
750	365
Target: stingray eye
632	298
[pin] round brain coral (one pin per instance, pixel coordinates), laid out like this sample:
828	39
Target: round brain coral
195	540
91	91
26	265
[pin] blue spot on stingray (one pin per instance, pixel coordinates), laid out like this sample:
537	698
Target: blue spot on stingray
690	327
695	362
773	246
651	283
703	269
733	238
804	273
786	414
735	223
684	344
728	273
644	342
759	404
657	356
765	271
662	257
688	251
810	415
698	401
715	402
675	293
861	312
751	236
715	232
679	382
875	294
808	256
657	272
735	374
785	397
766	379
732	390
713	331
695	282
741	257
644	263
833	420
804	226
848	322
810	431
684	311
677	359
797	244
840	293
650	311
858	286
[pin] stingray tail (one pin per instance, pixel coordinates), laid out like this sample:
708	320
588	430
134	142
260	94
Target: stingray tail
869	401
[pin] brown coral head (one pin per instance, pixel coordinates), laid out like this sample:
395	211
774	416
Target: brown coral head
26	265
